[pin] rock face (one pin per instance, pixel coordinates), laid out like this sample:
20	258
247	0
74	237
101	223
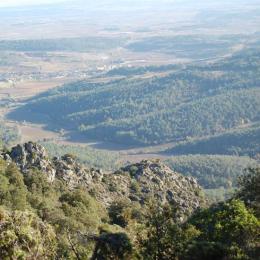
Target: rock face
138	183
73	173
30	155
34	156
148	180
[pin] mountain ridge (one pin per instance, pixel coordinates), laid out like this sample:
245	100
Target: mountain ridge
137	183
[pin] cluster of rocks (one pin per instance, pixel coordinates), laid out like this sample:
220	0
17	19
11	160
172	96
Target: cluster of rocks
34	156
151	180
140	182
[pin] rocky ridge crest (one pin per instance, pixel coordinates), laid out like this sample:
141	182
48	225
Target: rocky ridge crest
138	182
34	156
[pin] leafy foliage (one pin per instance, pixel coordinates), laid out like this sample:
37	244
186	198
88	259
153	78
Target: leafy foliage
23	235
164	238
223	231
249	189
114	246
13	190
46	220
231	226
66	211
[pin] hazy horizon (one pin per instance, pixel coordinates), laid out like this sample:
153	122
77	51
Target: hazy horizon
18	3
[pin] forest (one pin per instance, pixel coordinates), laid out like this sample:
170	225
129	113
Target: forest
217	174
189	103
212	171
39	220
129	130
243	141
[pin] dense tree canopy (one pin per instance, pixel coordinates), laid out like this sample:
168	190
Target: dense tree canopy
42	220
191	102
212	171
249	189
23	235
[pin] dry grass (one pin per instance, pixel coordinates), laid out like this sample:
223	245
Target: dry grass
25	89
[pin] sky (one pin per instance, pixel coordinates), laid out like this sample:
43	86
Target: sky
7	3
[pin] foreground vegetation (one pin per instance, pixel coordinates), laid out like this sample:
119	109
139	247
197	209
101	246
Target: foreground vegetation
39	220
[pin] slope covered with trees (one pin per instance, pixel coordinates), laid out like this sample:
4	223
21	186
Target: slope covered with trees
188	103
186	46
243	141
217	174
40	219
212	171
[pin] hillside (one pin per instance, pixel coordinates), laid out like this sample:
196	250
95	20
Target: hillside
138	183
212	171
57	208
189	103
217	174
130	130
244	141
195	47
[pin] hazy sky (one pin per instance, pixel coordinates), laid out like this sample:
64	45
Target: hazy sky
4	3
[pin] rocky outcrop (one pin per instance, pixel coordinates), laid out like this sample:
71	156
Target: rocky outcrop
73	173
34	156
150	180
31	155
141	182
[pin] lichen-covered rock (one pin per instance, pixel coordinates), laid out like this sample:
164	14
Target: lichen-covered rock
138	182
31	155
148	180
74	173
34	156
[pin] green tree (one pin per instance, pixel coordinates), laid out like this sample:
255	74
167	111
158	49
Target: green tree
78	214
13	192
17	188
249	189
24	236
164	238
112	246
229	226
